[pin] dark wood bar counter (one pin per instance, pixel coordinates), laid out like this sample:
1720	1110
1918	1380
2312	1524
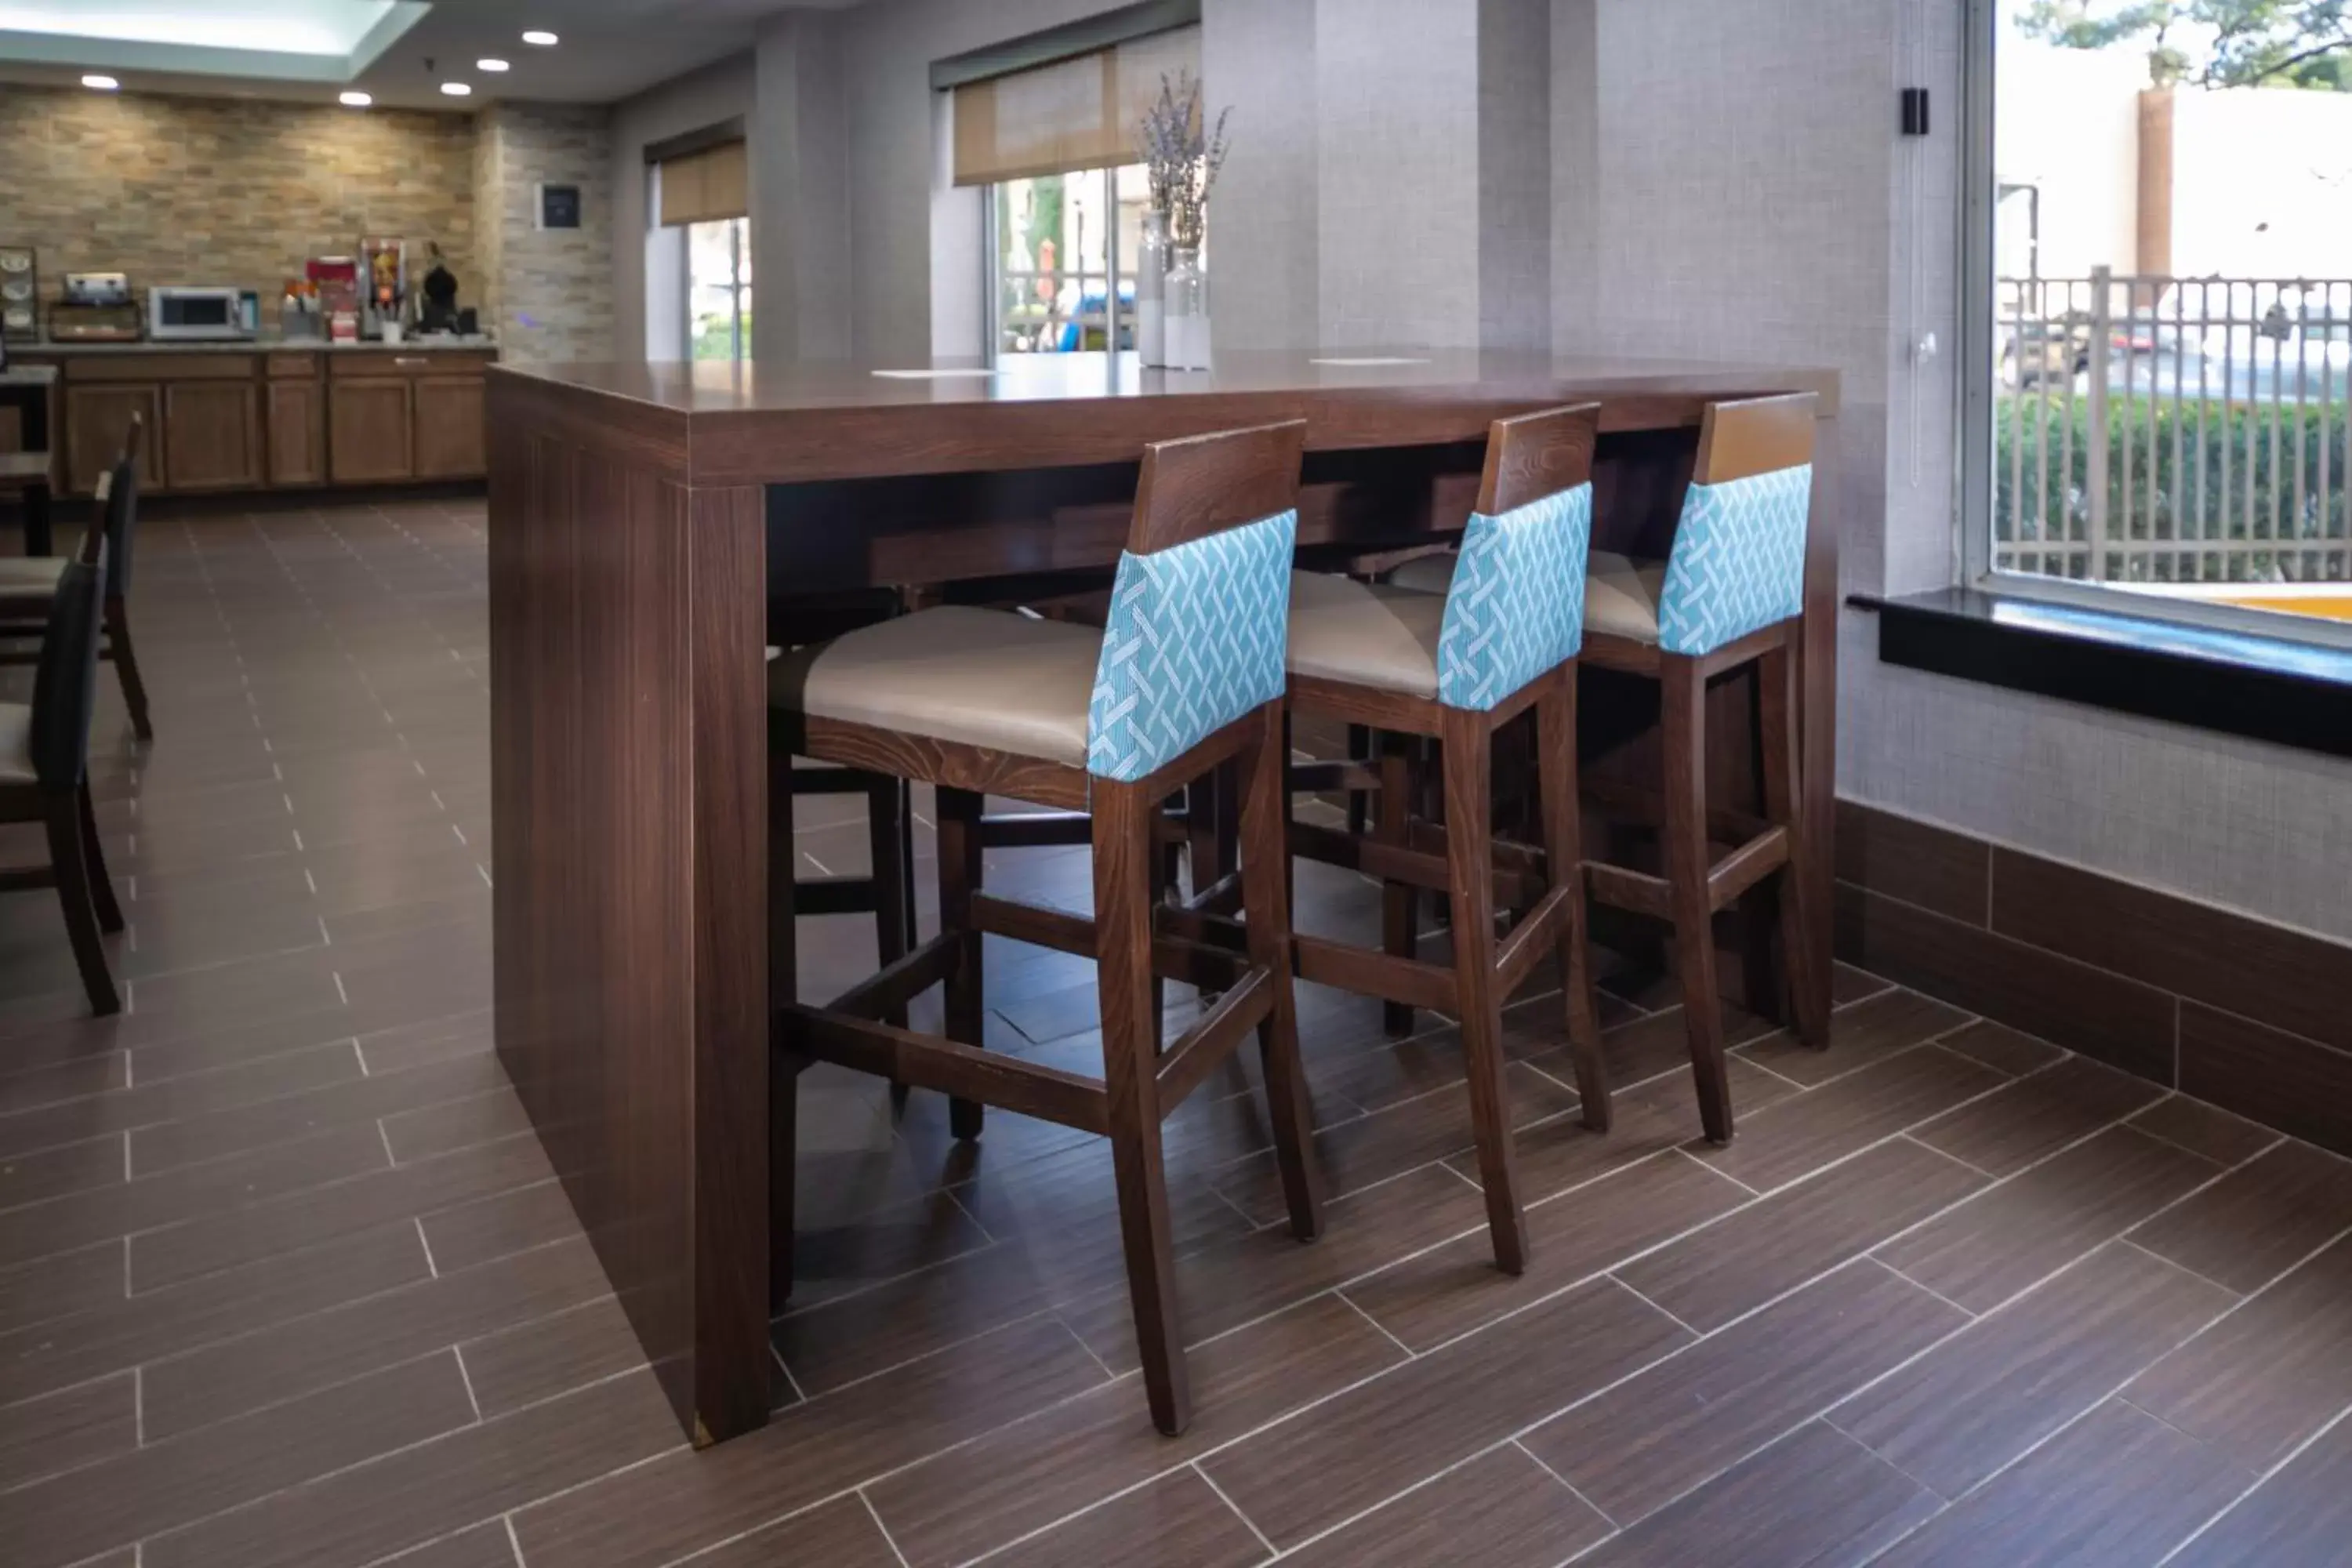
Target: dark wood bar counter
638	516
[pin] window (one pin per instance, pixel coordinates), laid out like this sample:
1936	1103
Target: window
1058	242
2158	313
718	290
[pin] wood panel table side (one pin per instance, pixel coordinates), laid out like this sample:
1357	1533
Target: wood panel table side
628	552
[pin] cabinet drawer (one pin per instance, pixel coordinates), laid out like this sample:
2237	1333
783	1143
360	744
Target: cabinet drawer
374	364
153	368
292	367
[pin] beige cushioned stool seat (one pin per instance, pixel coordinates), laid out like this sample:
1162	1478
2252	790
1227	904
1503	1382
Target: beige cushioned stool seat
980	678
1365	635
21	575
1621	594
1426	574
16	745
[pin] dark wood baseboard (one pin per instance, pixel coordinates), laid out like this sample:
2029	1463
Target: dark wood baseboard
2247	1015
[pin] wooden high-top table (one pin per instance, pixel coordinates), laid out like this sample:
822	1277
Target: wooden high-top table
638	515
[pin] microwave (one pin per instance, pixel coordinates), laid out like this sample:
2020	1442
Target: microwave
200	313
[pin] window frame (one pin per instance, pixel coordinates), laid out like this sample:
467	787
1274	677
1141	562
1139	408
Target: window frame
1979	374
991	280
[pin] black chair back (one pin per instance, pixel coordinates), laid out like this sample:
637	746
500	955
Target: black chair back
120	510
65	681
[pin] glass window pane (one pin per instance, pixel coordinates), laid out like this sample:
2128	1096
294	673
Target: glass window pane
1053	257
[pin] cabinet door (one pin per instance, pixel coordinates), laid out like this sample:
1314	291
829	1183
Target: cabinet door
97	419
212	435
368	431
450	444
297	432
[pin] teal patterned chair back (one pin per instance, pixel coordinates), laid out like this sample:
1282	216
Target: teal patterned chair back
1739	558
1199	628
1515	608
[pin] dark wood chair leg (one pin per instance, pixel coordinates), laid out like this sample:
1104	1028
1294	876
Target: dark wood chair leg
1266	904
1122	853
1683	682
102	886
886	811
1359	802
1470	873
63	818
783	973
1400	904
784	1145
1777	683
966	1003
126	666
37	538
1563	842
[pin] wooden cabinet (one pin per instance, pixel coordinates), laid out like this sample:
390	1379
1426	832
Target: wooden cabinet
212	434
368	430
277	419
450	443
297	432
97	419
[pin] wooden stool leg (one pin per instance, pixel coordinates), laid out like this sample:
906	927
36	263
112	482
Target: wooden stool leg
1359	802
1209	819
1777	682
102	886
1470	872
784	969
966	1002
1122	852
1684	684
1400	904
126	666
885	809
37	540
1266	902
1563	842
1760	960
64	821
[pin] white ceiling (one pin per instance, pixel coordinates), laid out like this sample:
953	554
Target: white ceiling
313	50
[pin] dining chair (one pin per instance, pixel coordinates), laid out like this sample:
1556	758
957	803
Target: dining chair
1728	597
1457	668
1187	674
45	768
27	582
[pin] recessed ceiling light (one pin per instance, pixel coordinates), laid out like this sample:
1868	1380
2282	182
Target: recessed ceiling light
545	40
490	65
101	83
457	88
356	99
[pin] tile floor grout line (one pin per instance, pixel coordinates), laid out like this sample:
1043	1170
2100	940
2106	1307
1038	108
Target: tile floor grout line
1356	1306
888	1539
2125	1240
514	1541
457	1353
1537	1460
1614	1280
800	1395
432	1269
1211	1482
2261	1481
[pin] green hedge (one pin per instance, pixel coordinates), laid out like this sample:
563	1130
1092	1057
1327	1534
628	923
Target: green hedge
2239	434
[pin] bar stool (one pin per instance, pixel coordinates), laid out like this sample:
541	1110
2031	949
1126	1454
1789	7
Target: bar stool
1729	595
1188	674
45	768
26	583
1457	668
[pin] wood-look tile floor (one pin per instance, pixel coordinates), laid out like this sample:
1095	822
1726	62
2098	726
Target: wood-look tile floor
285	1277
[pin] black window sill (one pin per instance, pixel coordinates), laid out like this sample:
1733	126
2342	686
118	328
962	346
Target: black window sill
2288	692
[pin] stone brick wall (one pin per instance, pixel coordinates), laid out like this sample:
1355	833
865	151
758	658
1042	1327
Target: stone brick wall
549	290
184	190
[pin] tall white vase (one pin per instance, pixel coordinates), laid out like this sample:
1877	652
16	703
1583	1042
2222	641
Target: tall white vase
1187	310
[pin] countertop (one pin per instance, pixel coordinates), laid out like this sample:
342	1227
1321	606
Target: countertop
1386	375
442	345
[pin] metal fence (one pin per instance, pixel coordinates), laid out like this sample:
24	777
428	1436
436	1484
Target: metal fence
2173	429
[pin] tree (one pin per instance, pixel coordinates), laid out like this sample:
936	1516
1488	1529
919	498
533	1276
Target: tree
2212	43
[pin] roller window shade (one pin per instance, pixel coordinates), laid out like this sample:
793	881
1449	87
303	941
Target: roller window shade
1077	113
704	186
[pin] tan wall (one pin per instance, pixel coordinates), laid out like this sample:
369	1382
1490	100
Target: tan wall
549	291
179	190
